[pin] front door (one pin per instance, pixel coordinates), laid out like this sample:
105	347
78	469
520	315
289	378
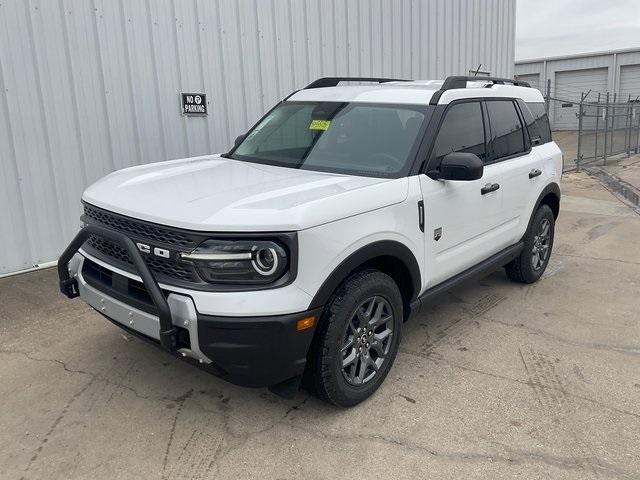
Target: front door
463	219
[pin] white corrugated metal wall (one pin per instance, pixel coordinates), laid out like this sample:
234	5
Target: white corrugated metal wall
90	86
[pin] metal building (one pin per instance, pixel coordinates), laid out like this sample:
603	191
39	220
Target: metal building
91	86
616	72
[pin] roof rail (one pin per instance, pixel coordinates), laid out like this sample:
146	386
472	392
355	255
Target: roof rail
456	81
333	81
461	81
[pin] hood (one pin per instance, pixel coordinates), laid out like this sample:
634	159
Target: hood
212	193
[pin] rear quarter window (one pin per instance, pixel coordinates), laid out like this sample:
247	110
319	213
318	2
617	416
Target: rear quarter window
538	123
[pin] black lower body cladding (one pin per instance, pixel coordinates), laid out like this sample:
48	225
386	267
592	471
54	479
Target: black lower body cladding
257	351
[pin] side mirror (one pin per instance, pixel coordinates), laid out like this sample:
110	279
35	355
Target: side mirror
458	166
239	139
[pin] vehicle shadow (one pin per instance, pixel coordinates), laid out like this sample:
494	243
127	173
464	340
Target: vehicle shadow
446	320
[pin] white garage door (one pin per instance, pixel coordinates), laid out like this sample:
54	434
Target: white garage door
532	79
567	89
629	82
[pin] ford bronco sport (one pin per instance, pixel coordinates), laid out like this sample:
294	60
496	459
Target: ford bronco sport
302	250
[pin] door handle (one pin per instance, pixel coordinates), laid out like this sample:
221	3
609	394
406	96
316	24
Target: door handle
489	187
535	173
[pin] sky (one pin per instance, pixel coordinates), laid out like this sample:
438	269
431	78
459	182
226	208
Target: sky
546	28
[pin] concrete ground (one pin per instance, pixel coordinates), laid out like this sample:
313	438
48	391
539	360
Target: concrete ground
494	380
621	176
626	169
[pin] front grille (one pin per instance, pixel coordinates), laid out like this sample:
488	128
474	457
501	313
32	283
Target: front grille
109	249
167	270
167	267
147	231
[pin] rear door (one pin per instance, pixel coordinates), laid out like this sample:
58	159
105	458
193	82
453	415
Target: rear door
462	224
510	149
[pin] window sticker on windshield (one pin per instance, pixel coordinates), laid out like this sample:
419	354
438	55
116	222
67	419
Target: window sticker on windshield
319	124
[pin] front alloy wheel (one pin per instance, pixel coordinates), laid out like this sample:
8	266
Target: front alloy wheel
367	340
357	339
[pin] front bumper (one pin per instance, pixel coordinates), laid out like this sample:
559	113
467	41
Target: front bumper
256	351
249	351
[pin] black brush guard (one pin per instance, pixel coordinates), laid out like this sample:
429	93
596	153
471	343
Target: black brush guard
69	286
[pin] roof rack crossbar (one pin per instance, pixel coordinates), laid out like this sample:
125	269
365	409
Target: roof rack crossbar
455	81
334	81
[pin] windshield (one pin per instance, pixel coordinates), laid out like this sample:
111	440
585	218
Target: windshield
351	138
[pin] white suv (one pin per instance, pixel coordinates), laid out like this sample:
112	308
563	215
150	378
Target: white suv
303	250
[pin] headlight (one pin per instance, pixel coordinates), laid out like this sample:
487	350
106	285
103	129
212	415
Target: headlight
239	261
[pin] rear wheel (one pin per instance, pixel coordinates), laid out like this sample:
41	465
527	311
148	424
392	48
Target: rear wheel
538	243
358	338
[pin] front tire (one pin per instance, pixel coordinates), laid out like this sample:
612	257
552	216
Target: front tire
538	243
358	338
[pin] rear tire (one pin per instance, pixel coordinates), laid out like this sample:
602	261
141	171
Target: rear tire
529	266
357	339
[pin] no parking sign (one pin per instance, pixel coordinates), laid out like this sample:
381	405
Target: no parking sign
194	104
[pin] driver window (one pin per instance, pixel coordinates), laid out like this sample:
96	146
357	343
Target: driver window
461	131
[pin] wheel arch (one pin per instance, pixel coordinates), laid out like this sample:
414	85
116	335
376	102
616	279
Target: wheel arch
390	257
550	196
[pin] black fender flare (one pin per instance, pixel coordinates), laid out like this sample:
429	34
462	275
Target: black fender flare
551	188
382	248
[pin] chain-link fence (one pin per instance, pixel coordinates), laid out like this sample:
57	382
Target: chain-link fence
607	128
593	127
